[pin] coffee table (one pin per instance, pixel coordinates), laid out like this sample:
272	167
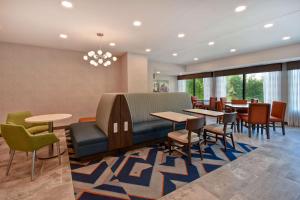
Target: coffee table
49	118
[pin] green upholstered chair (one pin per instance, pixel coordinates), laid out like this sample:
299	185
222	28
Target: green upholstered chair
19	139
18	118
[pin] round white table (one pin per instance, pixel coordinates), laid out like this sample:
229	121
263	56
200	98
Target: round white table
50	118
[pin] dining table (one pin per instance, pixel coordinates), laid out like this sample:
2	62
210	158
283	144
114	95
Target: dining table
50	119
173	117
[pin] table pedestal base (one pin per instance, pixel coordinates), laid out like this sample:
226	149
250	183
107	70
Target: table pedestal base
51	154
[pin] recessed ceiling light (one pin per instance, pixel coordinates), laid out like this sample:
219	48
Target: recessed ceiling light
195	59
211	43
158	72
137	23
112	44
67	4
268	25
232	50
148	50
240	8
286	37
63	36
181	35
174	54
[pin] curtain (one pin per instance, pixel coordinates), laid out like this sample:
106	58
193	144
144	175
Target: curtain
294	97
181	85
272	86
207	85
221	84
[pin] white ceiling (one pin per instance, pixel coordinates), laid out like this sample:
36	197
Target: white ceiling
39	22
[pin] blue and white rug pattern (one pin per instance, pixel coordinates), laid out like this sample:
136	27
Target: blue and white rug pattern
147	173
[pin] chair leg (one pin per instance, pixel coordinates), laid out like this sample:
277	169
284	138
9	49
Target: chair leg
274	128
204	136
268	131
12	153
242	127
249	130
189	155
58	151
200	150
231	136
33	164
257	128
261	129
283	128
224	142
169	145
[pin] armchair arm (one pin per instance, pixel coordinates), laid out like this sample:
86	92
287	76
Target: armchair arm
40	140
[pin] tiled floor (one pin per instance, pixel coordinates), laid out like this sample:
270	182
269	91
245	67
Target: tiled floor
52	181
270	172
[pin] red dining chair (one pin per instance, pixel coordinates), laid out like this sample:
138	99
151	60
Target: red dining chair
259	114
196	103
212	103
278	114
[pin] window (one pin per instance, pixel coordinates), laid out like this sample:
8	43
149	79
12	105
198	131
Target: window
199	88
234	89
255	86
189	87
294	97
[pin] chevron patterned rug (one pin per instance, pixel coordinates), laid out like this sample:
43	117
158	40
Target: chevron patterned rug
147	173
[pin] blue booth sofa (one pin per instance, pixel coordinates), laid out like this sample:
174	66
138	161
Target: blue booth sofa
123	120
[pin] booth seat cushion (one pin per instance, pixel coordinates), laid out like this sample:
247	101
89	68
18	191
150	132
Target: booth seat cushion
87	139
152	130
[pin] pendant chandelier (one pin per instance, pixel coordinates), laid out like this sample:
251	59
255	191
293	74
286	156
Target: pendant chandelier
98	57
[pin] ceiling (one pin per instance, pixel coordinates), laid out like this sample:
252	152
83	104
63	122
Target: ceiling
39	22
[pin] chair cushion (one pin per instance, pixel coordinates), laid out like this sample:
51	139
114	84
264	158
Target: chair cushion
38	129
275	119
182	136
85	133
150	126
244	118
217	128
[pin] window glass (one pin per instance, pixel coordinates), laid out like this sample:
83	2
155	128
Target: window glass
255	86
199	88
189	84
234	89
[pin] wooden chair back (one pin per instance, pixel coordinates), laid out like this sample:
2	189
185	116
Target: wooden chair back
212	103
239	101
278	109
259	113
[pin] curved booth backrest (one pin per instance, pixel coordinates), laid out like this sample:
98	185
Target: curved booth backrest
142	104
104	111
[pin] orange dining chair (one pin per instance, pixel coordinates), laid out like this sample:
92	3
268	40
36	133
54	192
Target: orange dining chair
259	114
212	103
278	114
223	101
219	108
196	103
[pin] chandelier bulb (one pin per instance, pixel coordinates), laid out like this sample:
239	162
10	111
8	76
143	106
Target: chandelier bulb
99	52
114	58
85	57
91	53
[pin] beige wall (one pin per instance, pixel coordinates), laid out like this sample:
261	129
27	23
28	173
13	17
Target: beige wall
134	73
45	80
280	54
167	72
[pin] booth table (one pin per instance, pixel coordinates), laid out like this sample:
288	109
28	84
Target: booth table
174	117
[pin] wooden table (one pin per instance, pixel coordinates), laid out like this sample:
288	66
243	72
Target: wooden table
174	117
237	106
210	113
50	118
